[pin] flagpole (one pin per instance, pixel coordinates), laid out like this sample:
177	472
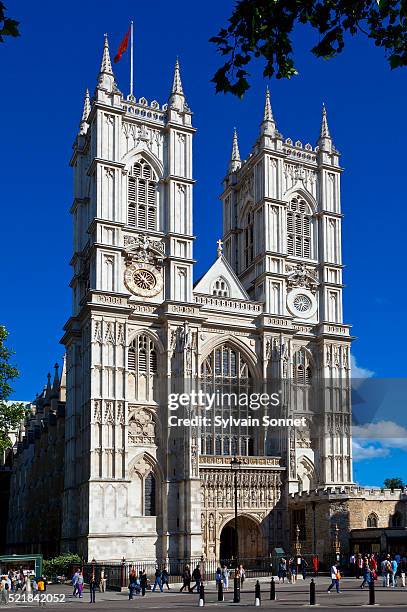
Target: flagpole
131	59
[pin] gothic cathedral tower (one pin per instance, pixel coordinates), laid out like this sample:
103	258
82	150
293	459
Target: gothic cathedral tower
282	235
132	217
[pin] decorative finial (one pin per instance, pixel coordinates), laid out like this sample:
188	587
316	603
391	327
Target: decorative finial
235	161
85	114
268	113
177	83
324	124
106	65
177	97
220	247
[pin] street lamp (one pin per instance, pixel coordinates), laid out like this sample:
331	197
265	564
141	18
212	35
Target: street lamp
337	543
235	466
297	541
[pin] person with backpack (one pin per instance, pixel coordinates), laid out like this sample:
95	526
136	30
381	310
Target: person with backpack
186	579
80	584
366	573
42	587
335	578
385	567
196	575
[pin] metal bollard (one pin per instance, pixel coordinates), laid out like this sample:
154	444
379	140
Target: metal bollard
201	595
220	591
272	589
257	594
372	595
312	593
236	589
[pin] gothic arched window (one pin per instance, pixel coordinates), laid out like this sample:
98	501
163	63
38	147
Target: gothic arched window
372	520
226	377
249	240
299	229
142	197
302	368
149	495
220	287
142	355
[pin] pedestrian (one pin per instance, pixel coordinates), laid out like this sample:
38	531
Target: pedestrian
225	577
218	577
42	587
242	575
92	588
393	572
315	565
293	570
366	573
282	569
403	567
186	579
359	565
157	581
143	582
335	578
132	583
3	591
304	566
385	567
75	583
80	584
165	578
196	575
102	581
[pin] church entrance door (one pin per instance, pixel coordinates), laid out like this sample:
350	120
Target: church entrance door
250	539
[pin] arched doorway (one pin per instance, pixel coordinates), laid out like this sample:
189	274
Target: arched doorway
250	539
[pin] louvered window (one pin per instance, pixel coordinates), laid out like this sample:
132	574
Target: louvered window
142	197
149	495
302	368
299	229
142	356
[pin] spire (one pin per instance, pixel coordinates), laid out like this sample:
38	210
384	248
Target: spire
55	384
325	140
324	124
235	161
177	97
268	125
47	389
83	126
176	83
62	383
106	65
106	76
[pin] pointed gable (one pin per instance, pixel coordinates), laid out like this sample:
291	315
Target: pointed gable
212	281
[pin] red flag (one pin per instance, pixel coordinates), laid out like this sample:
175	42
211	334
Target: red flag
122	47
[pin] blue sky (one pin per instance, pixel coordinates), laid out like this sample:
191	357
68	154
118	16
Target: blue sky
44	75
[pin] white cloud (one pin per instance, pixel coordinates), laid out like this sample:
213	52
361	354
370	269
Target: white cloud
361	452
382	436
357	371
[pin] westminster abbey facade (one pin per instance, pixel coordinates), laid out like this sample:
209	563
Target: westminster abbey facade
266	315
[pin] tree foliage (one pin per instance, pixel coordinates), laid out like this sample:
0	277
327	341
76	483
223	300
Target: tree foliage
263	29
10	413
393	483
8	26
61	565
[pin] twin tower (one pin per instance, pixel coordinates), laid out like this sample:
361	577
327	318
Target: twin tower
269	306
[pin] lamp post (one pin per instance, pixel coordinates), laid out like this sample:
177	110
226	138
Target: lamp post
235	466
297	541
337	543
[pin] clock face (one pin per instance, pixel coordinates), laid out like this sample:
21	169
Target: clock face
143	279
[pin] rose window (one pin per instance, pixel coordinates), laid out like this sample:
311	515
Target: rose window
144	279
302	303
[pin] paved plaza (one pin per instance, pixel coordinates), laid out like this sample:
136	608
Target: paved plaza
289	597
